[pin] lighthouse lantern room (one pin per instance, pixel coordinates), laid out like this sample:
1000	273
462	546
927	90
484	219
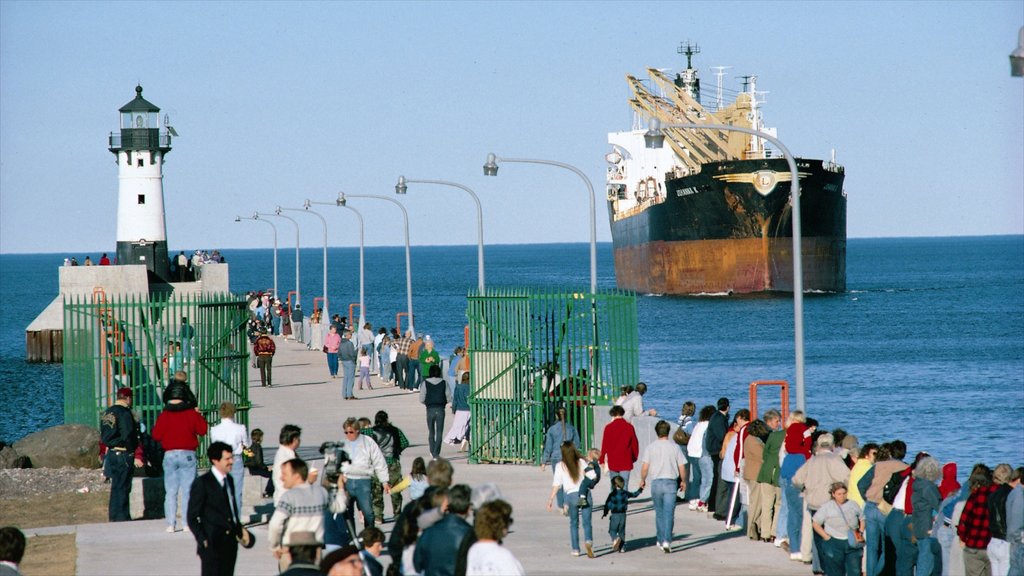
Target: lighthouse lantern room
140	148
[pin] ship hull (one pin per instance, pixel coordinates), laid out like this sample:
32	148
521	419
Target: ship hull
726	231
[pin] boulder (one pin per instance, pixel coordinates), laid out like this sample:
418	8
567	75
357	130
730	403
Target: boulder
73	445
9	458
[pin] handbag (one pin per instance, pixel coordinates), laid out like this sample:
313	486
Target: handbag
681	437
854	536
325	349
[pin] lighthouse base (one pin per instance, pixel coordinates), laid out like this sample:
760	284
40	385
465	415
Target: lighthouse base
152	255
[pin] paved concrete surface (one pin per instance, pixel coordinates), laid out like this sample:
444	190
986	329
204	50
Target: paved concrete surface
304	394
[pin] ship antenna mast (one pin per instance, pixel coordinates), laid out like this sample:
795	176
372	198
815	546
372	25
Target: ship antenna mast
689	49
719	74
746	81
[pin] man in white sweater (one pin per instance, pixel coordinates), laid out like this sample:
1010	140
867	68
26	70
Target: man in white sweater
300	509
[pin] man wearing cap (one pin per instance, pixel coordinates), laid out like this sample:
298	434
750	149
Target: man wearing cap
264	348
342	562
301	509
119	432
303	552
347	356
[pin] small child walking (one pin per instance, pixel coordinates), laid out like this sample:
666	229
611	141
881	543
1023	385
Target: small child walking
617	504
417	478
364	369
591	476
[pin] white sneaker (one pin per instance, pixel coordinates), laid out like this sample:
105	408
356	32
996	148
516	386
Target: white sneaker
779	541
170	530
796	557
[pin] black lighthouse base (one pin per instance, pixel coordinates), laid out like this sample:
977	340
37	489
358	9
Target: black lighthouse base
152	255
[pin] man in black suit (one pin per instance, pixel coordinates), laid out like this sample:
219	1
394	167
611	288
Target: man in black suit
213	514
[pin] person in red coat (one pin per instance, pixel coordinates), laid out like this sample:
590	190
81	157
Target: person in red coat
619	446
177	429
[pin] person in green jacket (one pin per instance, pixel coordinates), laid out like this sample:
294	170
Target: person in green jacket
768	476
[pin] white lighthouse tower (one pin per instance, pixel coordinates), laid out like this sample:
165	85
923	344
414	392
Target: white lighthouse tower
140	148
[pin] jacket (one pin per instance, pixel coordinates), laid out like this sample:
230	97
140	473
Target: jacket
619	446
553	439
179	430
769	473
882	472
818	474
753	456
264	346
438	545
435	393
715	436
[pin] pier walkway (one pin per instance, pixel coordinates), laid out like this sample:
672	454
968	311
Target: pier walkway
303	394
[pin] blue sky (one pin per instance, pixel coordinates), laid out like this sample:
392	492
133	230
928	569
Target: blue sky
279	102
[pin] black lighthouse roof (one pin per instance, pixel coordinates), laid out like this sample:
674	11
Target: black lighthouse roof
139	104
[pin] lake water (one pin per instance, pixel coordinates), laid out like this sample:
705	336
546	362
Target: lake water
927	344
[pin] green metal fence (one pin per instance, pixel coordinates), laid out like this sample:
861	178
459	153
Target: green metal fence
533	351
140	341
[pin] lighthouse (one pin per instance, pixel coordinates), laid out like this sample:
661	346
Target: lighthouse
140	148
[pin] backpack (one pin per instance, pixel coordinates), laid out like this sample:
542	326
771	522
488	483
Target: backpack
892	487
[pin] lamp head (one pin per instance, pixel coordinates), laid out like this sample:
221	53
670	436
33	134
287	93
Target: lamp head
491	167
255	215
238	218
654	138
401	188
1017	57
341	199
307	204
277	210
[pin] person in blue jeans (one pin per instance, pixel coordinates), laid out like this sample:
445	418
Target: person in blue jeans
367	461
663	461
560	432
347	356
568	477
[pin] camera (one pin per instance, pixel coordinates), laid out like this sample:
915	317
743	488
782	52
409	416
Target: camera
335	457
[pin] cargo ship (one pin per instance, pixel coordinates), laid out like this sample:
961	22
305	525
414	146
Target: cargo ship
710	212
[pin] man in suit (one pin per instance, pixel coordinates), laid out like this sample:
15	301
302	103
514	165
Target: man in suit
213	514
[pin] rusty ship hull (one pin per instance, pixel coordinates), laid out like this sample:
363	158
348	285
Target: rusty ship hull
728	230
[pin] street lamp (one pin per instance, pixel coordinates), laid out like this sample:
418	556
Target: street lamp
257	218
655	138
401	188
1017	57
362	308
342	197
323	223
491	169
298	293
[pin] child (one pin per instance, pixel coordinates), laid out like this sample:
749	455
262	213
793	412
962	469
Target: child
617	504
257	465
417	478
364	369
591	476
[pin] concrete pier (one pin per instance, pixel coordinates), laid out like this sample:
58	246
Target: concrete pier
304	394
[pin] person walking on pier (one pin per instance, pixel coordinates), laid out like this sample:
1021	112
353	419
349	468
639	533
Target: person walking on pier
665	464
332	342
120	433
568	477
435	395
367	461
402	361
560	432
391	441
619	446
347	357
265	348
297	320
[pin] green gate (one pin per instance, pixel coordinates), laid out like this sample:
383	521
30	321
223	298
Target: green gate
140	341
534	351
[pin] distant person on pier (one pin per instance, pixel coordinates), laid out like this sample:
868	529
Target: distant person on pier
265	348
560	432
296	322
74	261
316	331
120	433
619	446
713	439
284	312
364	338
332	342
699	461
428	357
413	375
364	363
186	332
435	395
88	261
458	434
104	261
402	361
347	357
181	261
377	352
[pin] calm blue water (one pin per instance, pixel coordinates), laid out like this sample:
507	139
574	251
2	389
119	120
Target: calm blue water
927	344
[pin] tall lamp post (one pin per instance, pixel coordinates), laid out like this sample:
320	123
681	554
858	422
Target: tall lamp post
257	218
401	188
491	169
362	307
298	293
342	199
655	138
323	223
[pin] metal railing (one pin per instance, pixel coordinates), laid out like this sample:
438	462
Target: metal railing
535	351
